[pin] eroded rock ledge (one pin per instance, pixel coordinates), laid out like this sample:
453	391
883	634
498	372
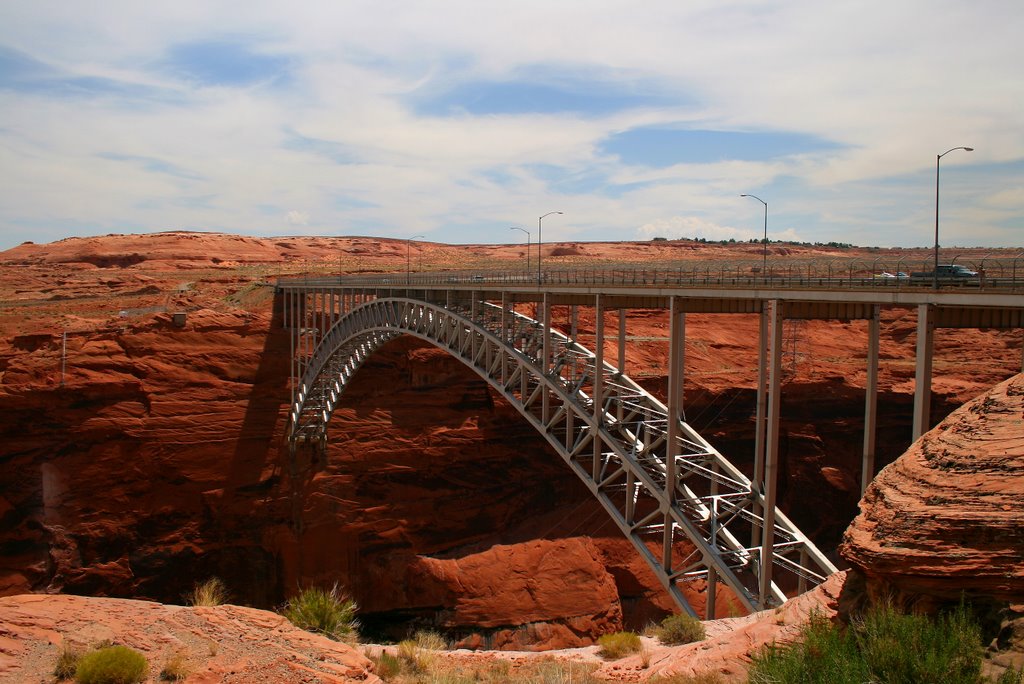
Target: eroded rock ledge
947	518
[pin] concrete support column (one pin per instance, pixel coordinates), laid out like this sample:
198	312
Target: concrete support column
867	470
546	358
712	594
290	322
504	336
472	316
622	341
771	463
676	355
598	384
923	373
323	314
759	417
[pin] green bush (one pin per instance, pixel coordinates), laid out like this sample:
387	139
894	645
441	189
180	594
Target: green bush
1011	676
826	655
883	646
212	592
916	648
112	665
680	629
619	644
328	612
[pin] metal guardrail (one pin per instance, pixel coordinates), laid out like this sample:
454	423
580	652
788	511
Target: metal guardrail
994	275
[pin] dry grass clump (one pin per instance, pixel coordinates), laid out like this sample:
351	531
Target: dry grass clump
67	662
417	655
619	645
706	678
210	593
437	670
176	668
326	611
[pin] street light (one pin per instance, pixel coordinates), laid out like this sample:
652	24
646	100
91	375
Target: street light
527	245
938	157
540	240
764	257
408	258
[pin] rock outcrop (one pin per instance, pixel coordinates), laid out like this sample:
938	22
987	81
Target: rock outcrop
216	645
731	643
946	519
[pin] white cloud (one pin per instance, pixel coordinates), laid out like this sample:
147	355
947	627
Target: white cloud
890	84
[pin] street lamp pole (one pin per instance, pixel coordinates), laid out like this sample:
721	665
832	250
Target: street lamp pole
408	259
527	245
938	158
764	250
540	240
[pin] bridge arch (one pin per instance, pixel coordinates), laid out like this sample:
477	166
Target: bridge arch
660	486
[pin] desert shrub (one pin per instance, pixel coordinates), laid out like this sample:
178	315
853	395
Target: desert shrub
918	648
328	612
619	644
1011	676
212	592
176	668
414	660
883	646
67	662
680	629
432	641
825	655
112	665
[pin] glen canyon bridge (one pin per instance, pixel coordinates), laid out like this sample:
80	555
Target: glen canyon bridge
690	513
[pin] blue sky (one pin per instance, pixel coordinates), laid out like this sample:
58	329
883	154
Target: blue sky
457	119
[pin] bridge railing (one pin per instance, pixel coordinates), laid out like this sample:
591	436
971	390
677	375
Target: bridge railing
999	274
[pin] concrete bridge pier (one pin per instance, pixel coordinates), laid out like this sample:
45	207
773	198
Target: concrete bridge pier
867	470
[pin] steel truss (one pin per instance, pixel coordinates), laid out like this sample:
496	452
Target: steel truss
689	512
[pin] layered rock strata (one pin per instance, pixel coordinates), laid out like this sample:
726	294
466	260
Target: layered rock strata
946	519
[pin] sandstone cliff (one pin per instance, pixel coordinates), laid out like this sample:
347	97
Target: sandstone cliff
947	518
159	461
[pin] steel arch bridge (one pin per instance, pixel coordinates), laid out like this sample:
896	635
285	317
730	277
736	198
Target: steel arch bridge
689	512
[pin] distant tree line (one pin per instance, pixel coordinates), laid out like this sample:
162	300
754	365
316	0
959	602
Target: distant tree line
757	241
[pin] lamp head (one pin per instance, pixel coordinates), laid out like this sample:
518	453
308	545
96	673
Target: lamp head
969	149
